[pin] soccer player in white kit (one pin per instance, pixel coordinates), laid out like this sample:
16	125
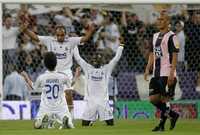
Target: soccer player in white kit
96	94
53	103
63	47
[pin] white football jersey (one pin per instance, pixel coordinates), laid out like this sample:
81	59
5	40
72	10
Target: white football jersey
51	84
63	51
97	78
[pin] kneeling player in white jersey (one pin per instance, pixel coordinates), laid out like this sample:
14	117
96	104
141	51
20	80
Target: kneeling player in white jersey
53	102
96	94
63	47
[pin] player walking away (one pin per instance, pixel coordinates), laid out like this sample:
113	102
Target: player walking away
163	59
63	47
53	102
96	95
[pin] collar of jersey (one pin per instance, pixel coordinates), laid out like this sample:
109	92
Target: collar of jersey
65	40
47	71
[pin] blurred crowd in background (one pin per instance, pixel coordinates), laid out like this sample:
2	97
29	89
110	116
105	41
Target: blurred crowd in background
21	53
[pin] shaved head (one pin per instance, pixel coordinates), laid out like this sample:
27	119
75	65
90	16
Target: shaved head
60	33
163	20
165	15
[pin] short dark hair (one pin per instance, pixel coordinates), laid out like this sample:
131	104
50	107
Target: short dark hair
7	16
60	27
50	60
17	66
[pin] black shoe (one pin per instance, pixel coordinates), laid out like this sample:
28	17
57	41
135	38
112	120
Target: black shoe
91	123
158	128
65	122
173	121
45	121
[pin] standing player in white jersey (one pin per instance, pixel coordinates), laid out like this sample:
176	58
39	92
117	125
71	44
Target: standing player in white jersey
63	47
163	59
96	95
53	102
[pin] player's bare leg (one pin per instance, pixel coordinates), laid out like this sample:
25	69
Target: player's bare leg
69	99
156	101
69	92
161	103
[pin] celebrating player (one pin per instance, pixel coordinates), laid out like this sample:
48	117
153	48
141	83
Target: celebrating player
53	102
63	47
96	95
163	58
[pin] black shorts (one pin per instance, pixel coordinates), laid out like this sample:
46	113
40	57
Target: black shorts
158	85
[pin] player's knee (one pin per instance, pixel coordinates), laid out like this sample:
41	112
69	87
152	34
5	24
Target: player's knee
85	123
110	122
154	99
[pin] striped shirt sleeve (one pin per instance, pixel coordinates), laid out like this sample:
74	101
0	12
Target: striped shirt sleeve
6	87
173	44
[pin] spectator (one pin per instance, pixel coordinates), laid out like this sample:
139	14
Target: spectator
15	87
51	28
85	20
96	16
131	27
9	33
181	37
192	30
24	16
110	33
112	88
65	18
31	63
25	43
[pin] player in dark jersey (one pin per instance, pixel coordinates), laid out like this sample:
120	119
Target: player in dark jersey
162	60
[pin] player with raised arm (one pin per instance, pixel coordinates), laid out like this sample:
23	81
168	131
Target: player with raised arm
53	102
96	95
63	47
163	59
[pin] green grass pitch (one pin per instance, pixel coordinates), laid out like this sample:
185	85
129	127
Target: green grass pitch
122	127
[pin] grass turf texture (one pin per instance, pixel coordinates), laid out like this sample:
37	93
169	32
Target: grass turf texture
122	127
